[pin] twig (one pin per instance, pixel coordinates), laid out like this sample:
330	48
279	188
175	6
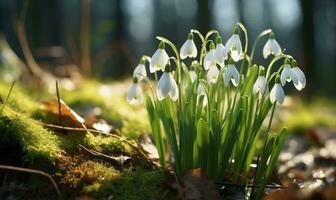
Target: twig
144	155
5	102
34	171
59	104
248	185
120	160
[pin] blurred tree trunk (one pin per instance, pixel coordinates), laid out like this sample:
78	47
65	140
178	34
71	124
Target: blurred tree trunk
84	37
308	61
203	16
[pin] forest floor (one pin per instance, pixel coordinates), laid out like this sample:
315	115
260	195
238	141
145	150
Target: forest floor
99	147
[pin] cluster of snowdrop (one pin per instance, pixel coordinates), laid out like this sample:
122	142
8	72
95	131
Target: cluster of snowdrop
216	56
207	108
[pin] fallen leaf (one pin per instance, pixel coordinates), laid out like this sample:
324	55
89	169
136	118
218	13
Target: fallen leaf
195	185
68	116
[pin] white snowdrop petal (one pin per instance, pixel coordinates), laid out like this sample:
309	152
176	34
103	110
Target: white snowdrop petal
209	59
174	93
259	85
135	95
277	94
286	75
184	49
301	78
153	69
188	49
200	90
163	87
220	54
193	75
275	47
231	74
235	47
159	60
193	50
212	74
140	72
267	49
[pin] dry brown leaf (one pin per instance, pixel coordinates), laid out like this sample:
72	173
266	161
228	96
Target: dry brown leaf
195	185
68	118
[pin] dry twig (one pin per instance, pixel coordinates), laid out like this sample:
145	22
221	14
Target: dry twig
34	171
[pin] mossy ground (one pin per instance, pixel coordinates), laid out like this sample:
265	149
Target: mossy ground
25	142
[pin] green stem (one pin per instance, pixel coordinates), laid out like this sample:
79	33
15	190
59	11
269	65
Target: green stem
246	46
271	119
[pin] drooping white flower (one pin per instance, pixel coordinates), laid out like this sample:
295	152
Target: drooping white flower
210	58
221	53
231	74
140	70
135	95
288	74
260	85
301	83
234	45
277	93
167	86
188	48
212	74
201	92
193	75
159	59
271	47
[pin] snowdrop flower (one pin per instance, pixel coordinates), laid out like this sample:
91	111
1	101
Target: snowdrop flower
277	93
192	72
260	84
221	53
288	74
212	74
140	70
271	47
210	59
234	45
159	59
200	92
301	83
193	75
167	86
231	74
188	49
135	95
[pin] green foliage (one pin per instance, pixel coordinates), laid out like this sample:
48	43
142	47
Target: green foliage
216	123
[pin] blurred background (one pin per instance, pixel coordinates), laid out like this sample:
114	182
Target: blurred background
106	38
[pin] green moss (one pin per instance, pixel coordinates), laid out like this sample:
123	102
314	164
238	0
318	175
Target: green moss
129	119
22	134
306	116
107	145
136	184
